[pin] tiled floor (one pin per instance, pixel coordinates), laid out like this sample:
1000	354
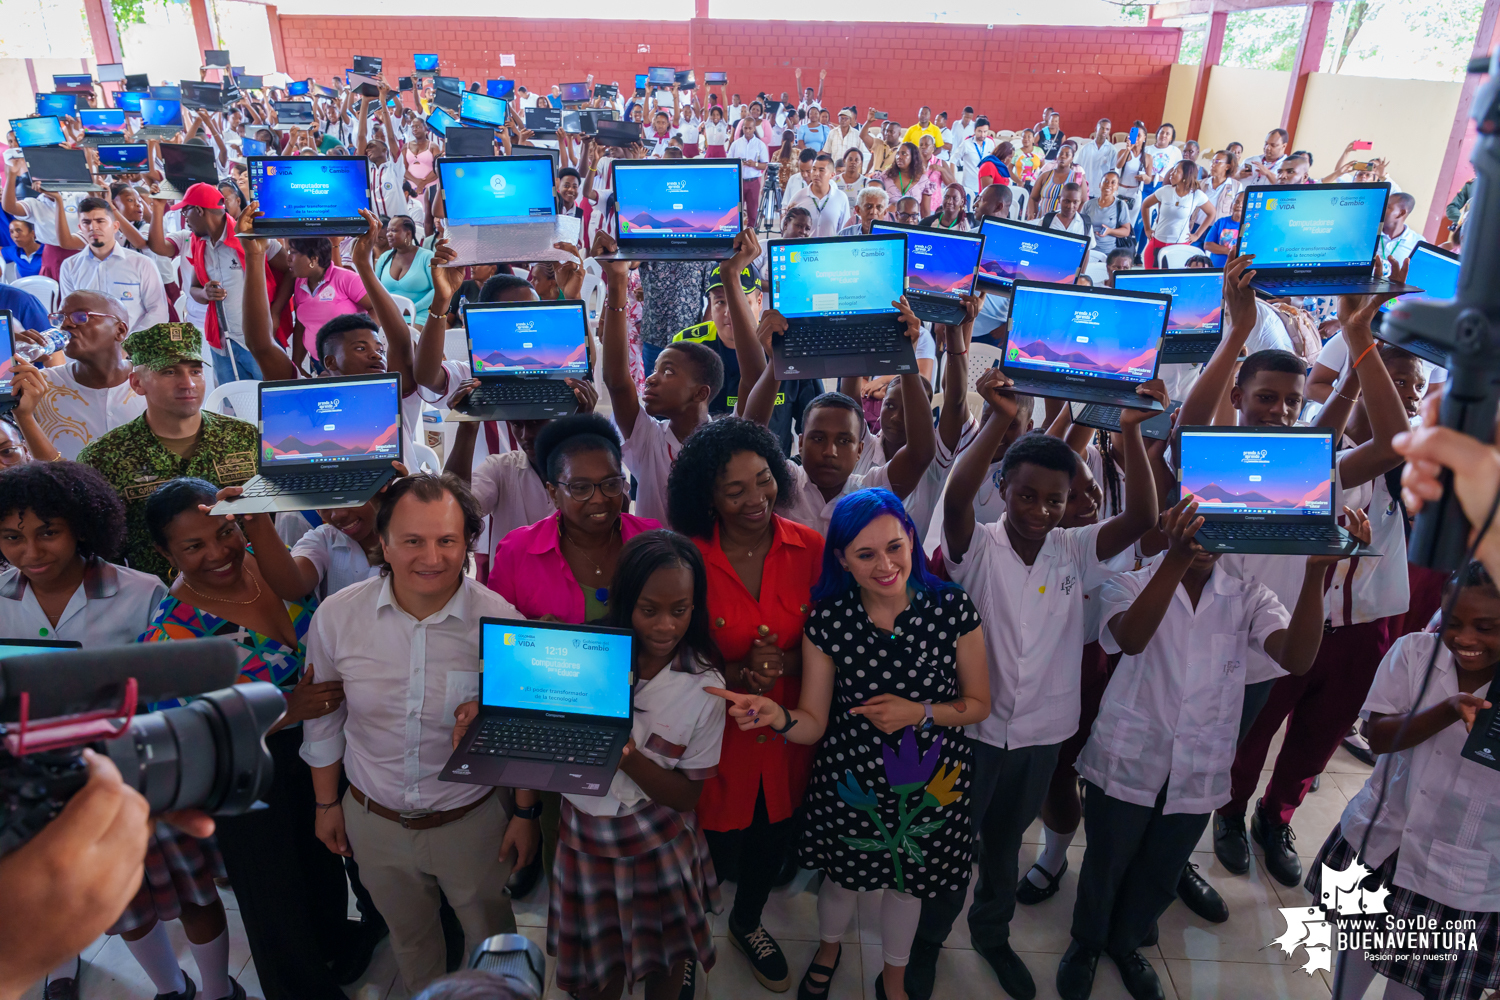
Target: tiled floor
1230	961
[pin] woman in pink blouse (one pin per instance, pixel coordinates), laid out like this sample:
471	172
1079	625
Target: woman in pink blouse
322	291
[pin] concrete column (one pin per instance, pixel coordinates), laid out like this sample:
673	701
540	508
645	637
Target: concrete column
1456	169
1213	48
1309	57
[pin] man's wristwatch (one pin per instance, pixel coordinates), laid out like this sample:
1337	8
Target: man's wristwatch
533	811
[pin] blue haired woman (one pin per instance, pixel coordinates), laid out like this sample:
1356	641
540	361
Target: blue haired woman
893	665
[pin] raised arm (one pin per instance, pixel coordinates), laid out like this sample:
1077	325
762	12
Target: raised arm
66	238
1139	516
1134	627
156	238
973	465
909	464
382	306
954	413
256	318
747	349
622	392
762	397
427	368
1383	407
1214	381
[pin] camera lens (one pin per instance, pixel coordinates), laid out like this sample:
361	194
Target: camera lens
210	754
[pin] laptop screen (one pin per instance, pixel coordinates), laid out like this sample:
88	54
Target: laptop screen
500	88
310	188
1014	250
167	92
129	101
293	112
440	121
544	119
1431	270
937	263
1197	297
316	422
425	62
543	339
580	672
8	362
1258	473
16	647
498	192
482	108
840	277
56	104
38	131
1323	226
123	158
56	164
160	112
1063	332
102	121
575	92
678	200
185	165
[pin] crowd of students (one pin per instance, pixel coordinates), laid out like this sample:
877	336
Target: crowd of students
876	637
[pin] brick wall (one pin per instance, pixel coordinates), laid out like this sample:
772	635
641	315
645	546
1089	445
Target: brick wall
1009	73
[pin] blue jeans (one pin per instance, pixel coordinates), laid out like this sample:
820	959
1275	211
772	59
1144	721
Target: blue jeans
244	366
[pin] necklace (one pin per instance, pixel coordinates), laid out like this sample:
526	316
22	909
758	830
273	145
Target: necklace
224	600
598	570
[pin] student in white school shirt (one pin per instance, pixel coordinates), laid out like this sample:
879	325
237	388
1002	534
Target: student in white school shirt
828	206
1028	579
64	407
43	213
653	423
1157	761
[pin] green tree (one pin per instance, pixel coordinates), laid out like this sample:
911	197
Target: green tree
1263	39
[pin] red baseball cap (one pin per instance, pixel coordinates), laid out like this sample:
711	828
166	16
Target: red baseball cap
200	196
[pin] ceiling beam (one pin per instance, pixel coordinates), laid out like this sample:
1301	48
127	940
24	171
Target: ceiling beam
1192	8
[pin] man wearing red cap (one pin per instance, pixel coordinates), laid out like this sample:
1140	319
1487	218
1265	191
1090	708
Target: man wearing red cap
218	263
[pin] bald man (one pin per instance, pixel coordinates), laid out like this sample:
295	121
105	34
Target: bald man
63	408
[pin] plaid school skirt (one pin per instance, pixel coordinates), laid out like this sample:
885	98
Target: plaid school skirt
179	869
631	892
1466	979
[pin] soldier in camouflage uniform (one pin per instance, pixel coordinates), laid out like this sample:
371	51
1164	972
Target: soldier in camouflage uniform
138	457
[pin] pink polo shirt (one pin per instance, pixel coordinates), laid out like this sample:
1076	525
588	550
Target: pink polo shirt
339	294
531	573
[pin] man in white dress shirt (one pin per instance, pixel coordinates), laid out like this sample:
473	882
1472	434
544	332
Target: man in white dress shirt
128	277
405	645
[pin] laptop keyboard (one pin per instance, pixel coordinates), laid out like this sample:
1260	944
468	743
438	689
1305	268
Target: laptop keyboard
520	738
320	482
1080	393
1345	280
542	391
1278	532
1172	349
869	339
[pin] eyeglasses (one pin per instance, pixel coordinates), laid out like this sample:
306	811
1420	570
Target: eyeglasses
77	318
13	454
582	490
908	216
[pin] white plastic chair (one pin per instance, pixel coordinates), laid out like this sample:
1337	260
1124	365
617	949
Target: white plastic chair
592	294
43	287
1097	271
407	306
981	357
241	397
423	459
1177	255
456	345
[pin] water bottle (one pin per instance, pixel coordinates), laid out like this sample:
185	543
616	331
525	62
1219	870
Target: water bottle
30	352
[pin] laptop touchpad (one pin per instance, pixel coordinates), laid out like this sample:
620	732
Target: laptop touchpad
519	775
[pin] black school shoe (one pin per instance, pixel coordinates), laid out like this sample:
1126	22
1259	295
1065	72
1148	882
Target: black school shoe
188	992
1141	980
1014	977
523	881
1276	840
921	969
359	948
1075	973
1029	893
765	955
1231	845
1200	897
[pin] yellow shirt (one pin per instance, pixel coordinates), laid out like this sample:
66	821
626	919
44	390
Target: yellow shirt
914	134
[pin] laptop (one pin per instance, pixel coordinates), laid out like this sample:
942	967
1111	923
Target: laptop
1092	345
521	352
1107	418
440	121
42	131
1265	490
501	208
124	158
1016	250
182	166
73	83
129	101
677	209
424	63
102	126
940	268
57	168
467	141
60	105
500	88
661	76
1316	239
836	294
575	93
589	119
202	95
554	707
1196	323
160	118
7	364
449	100
367	65
1436	271
310	195
452	84
216	58
545	123
324	443
481	109
110	72
614	134
290	113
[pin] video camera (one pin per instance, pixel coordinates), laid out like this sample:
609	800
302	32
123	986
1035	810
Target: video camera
209	754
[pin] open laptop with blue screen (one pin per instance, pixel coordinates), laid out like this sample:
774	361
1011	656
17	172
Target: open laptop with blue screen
160	118
1195	324
521	353
124	158
441	121
554	707
56	104
481	109
941	268
310	195
1316	239
129	101
677	209
502	209
102	125
1264	490
1092	345
324	443
1016	250
7	363
1435	271
424	63
836	294
45	130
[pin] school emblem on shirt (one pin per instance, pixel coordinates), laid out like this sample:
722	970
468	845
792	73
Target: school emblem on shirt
1068	584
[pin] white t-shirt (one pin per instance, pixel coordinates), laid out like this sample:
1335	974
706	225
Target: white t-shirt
72	415
510	493
830	213
648	453
341	562
42	214
1174	214
715	133
1162	160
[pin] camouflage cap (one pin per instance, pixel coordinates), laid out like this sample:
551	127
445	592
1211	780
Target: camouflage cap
163	345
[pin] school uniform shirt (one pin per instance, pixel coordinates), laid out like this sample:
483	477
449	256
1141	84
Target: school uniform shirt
510	494
1366	589
747	148
340	560
716	133
1171	713
129	278
72	414
648	453
402	678
808	506
1335	355
111	607
830	213
42	214
1441	811
676	724
386	195
1033	634
455	373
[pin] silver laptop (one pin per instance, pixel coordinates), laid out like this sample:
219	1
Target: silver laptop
182	166
522	353
161	118
57	168
501	209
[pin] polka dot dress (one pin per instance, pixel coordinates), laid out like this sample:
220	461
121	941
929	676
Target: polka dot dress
891	809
